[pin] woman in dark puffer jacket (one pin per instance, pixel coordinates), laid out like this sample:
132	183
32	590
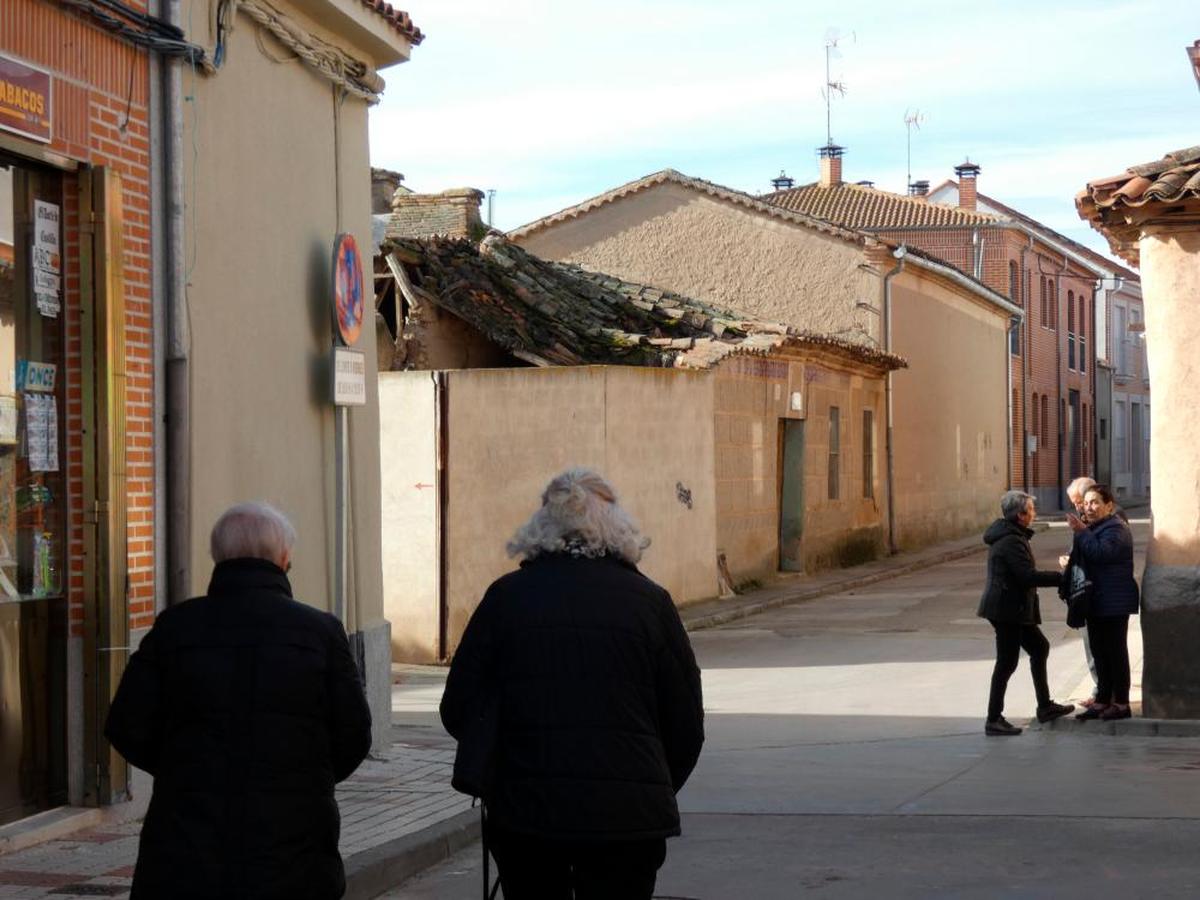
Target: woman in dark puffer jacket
1010	603
1105	544
600	719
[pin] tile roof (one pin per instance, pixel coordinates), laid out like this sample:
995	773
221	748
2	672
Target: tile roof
552	313
698	184
397	18
1117	205
869	209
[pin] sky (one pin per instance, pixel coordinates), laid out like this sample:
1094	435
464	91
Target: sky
550	102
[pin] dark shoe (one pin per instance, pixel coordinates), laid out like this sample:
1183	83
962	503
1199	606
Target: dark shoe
1116	712
1053	710
1095	711
1001	727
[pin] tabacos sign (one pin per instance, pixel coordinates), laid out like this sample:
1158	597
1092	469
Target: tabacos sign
24	99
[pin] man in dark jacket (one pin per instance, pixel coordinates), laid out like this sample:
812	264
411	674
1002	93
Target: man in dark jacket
247	708
1010	603
600	719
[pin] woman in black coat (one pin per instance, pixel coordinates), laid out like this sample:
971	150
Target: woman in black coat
598	711
1010	603
1105	545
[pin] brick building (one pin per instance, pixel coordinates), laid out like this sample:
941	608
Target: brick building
77	475
1056	281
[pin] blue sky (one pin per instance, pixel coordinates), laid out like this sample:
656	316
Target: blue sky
550	102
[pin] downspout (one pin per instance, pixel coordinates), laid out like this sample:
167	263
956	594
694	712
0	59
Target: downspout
177	413
1014	326
899	253
441	407
1025	363
1097	287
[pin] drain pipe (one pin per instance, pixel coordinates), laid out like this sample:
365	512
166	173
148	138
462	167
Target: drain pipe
899	253
178	336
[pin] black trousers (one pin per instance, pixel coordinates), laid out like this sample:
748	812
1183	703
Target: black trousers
1010	640
1109	637
536	869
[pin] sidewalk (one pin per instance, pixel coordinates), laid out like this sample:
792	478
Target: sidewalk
399	813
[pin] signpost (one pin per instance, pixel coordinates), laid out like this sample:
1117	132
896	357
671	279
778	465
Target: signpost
349	388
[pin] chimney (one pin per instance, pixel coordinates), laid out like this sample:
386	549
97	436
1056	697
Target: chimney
967	174
831	164
783	182
383	185
919	189
452	213
865	183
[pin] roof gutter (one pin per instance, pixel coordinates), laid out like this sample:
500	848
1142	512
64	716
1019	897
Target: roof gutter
900	253
948	271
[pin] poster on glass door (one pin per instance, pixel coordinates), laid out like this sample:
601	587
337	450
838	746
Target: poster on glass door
47	258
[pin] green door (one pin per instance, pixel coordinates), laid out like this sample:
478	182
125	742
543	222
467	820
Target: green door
791	495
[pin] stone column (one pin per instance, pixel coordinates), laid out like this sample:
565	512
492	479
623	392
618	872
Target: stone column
1170	264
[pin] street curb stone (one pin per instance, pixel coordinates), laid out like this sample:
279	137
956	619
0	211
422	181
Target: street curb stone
1136	727
371	872
743	610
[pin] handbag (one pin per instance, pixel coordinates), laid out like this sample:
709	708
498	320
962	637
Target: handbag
1079	594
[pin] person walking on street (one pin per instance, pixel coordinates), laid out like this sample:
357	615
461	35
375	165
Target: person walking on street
598	718
247	708
1105	544
1010	604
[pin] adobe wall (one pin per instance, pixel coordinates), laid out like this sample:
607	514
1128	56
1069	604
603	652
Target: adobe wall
672	237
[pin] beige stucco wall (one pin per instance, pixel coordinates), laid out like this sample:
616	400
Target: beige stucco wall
1170	265
751	401
950	410
409	520
675	238
647	430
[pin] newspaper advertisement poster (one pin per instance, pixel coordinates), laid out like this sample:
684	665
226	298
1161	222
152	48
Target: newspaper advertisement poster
47	258
41	432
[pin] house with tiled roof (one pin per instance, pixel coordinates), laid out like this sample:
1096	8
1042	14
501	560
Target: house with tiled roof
1150	215
722	246
509	367
1120	376
1058	414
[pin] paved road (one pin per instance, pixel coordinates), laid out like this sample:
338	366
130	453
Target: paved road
846	758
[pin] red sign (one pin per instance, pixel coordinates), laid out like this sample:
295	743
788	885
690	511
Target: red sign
24	100
348	300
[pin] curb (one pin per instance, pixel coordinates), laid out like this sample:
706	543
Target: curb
744	610
1135	727
371	872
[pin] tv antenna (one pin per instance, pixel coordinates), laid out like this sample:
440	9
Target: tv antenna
912	119
832	38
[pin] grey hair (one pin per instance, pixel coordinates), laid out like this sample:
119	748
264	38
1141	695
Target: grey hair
579	507
256	529
1079	486
1012	504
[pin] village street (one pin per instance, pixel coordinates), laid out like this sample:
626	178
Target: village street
846	758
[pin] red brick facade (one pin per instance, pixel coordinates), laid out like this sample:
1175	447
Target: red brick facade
100	118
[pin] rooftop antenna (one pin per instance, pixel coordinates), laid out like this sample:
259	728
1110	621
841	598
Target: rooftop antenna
912	119
832	37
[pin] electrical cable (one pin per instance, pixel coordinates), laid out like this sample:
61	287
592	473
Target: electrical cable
162	37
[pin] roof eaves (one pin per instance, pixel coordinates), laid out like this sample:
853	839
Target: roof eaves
698	184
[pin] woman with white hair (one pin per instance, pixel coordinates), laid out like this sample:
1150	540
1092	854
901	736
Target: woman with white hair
594	699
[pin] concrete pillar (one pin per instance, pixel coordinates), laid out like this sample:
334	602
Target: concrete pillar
1170	264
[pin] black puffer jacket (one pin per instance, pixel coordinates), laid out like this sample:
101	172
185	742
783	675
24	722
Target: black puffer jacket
247	708
601	719
1010	594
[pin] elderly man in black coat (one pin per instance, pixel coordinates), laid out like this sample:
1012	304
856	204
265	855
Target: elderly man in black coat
247	708
1010	603
598	713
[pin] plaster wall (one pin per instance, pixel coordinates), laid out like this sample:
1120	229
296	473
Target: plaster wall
950	422
409	521
1171	582
751	404
264	204
648	430
675	238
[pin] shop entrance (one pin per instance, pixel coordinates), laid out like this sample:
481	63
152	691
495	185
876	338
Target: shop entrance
33	607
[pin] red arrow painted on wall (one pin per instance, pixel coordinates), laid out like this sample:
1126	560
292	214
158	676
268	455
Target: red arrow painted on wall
419	486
